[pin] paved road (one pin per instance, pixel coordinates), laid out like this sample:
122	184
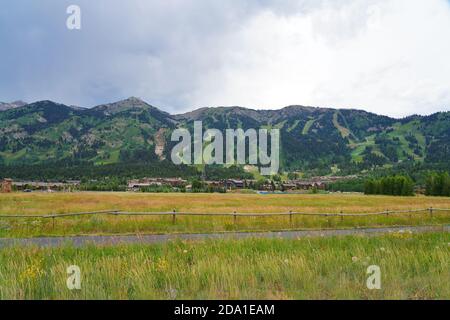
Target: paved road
148	239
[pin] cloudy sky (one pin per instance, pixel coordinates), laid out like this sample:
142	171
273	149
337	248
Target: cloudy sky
386	56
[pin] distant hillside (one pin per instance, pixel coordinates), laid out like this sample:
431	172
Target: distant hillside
134	131
11	105
322	137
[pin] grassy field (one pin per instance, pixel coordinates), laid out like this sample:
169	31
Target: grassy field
42	203
412	267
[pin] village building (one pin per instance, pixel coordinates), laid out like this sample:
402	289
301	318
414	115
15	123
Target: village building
6	186
289	186
138	184
45	186
216	184
235	184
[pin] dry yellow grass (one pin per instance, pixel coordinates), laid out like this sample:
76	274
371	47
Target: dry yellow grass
41	203
19	203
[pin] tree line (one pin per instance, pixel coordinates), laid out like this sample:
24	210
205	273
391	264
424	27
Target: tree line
398	185
119	171
437	183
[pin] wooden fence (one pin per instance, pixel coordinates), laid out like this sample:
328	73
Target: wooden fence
174	214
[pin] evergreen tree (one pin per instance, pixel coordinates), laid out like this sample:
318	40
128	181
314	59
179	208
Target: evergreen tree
392	185
438	184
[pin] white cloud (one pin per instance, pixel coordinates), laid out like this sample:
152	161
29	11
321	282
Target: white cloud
389	57
386	56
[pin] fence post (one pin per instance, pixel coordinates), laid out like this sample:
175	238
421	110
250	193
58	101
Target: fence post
329	221
290	218
431	212
235	218
53	221
342	216
174	217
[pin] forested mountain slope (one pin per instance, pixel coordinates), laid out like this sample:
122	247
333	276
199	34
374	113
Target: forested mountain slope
134	131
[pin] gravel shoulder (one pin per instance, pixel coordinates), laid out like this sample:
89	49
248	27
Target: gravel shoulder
80	241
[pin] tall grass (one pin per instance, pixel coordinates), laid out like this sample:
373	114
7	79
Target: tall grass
412	266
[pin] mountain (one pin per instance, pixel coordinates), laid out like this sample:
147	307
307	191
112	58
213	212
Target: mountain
11	105
132	131
128	130
321	137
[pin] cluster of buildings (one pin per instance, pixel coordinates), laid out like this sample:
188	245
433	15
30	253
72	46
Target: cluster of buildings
138	184
319	183
8	185
229	184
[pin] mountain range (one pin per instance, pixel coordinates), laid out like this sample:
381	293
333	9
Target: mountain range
135	131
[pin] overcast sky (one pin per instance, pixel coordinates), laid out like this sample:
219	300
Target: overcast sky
386	56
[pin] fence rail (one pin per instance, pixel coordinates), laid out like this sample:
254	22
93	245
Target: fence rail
233	214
